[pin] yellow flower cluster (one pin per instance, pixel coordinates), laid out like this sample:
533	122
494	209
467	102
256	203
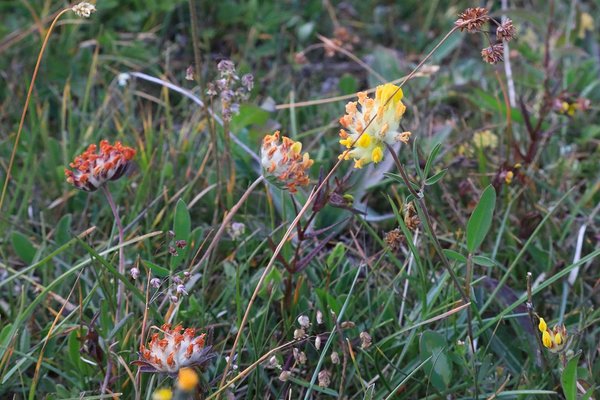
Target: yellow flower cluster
370	124
553	339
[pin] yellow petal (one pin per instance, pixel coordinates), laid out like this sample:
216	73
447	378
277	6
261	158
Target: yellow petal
162	394
547	340
297	147
377	154
558	339
542	326
385	92
364	140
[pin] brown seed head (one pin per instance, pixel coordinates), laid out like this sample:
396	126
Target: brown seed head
493	54
506	31
472	19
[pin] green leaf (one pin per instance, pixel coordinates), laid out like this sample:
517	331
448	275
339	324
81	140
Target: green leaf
568	379
182	226
484	261
74	349
431	158
481	219
439	367
63	230
348	84
433	179
156	269
454	255
23	247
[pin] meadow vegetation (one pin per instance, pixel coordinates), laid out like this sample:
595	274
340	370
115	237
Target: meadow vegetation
299	199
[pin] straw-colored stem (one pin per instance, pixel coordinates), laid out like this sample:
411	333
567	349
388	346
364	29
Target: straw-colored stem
27	100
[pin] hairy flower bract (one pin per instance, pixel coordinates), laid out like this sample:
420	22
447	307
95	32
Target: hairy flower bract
282	158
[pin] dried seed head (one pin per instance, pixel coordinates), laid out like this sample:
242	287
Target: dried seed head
189	73
365	340
394	239
493	54
506	31
347	325
181	244
299	356
324	378
411	218
304	321
299	334
284	376
335	357
84	9
318	342
472	19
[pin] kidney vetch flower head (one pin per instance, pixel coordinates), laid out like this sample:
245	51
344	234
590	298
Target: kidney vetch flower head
553	339
284	161
386	111
93	169
173	349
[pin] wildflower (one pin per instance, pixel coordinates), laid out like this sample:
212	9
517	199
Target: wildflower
174	349
135	272
189	73
319	317
299	334
493	54
385	111
187	379
273	362
553	339
284	161
472	19
506	30
236	230
84	9
93	169
162	394
181	244
304	321
155	282
485	139
324	378
299	356
365	340
181	290
284	376
335	357
509	177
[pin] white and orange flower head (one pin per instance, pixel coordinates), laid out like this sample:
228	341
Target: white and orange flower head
553	339
92	169
386	110
283	160
173	349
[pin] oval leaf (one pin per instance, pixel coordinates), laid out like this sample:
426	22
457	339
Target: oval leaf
569	379
481	219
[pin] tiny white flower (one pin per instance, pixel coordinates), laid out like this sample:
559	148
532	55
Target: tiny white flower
84	9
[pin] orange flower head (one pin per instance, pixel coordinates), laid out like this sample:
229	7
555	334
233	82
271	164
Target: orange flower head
92	168
174	349
282	159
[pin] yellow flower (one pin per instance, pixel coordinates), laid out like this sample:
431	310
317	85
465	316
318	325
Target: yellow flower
386	111
162	394
509	177
485	139
187	379
553	339
284	161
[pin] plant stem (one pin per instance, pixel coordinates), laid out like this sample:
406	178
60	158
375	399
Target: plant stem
465	295
27	100
121	271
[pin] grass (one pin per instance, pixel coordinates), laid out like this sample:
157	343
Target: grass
444	297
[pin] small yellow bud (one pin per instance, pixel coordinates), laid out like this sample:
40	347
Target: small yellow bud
509	177
162	394
377	154
187	379
542	326
546	339
364	140
558	339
